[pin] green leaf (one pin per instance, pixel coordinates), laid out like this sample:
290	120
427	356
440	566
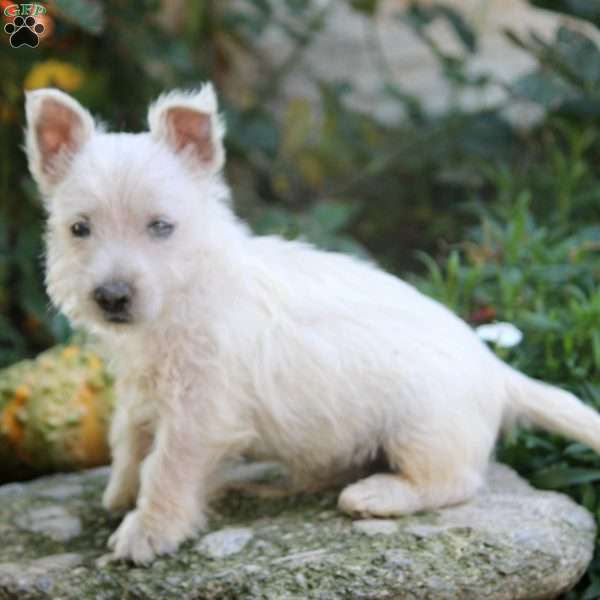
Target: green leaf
419	17
254	130
579	53
263	6
545	88
87	14
332	216
585	10
368	7
297	6
461	28
239	20
540	323
592	592
275	221
562	477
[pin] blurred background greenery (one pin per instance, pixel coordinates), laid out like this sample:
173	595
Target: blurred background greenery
499	221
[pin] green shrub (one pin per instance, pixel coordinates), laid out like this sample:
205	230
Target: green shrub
534	260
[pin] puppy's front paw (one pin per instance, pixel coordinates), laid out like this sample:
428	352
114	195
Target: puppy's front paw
118	496
135	541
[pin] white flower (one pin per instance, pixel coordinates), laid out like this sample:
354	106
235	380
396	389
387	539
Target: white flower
505	335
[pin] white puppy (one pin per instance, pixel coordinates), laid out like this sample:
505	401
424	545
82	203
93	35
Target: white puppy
225	343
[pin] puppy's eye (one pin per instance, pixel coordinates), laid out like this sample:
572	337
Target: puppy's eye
160	228
80	229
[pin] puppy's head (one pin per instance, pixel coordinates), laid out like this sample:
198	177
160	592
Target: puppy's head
127	213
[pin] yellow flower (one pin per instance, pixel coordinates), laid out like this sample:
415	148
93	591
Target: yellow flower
70	352
23	392
94	362
54	73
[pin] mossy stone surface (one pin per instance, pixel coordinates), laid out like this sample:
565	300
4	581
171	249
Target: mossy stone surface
511	542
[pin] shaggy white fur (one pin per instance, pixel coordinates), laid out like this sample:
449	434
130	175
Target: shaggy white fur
225	343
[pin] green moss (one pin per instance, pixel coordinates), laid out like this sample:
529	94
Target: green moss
302	548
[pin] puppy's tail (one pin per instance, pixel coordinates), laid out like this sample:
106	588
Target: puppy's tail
553	409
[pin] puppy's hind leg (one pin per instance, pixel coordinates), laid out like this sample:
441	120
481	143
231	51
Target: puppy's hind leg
422	478
392	495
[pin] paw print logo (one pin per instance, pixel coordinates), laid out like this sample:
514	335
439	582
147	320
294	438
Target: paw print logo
24	32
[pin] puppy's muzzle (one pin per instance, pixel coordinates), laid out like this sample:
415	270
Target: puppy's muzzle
114	298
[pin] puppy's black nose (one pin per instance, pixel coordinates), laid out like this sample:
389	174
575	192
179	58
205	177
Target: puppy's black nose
114	297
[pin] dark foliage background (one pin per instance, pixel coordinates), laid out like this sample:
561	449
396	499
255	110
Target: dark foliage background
496	222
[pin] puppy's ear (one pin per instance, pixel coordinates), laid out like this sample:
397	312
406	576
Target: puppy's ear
189	123
57	128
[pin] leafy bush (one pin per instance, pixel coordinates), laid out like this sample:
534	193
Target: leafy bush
533	260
